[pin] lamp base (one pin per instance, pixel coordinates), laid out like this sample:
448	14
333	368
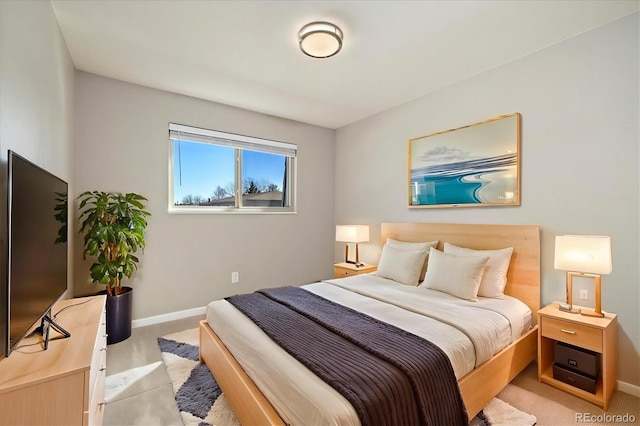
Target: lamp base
565	307
357	263
592	314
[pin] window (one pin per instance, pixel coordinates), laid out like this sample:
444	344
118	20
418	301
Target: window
211	171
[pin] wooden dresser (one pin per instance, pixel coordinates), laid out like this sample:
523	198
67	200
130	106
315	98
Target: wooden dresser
63	385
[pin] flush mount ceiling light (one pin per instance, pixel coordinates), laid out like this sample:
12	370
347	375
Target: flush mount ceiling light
320	39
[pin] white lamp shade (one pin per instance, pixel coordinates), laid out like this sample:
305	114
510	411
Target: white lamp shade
583	253
352	233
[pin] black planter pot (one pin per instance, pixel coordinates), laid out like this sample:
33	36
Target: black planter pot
119	315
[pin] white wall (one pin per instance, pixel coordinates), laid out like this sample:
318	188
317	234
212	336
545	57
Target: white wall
36	96
37	87
122	132
580	159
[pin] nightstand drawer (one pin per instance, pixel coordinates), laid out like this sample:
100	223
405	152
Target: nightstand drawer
572	333
341	272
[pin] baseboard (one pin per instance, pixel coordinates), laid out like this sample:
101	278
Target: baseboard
171	316
629	388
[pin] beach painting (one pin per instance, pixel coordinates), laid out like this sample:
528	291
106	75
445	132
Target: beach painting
474	165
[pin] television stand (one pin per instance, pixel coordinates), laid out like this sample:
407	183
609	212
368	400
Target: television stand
47	324
63	385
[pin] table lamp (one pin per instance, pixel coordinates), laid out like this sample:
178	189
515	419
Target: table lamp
352	234
583	256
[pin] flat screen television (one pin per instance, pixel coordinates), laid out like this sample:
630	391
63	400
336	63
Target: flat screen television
37	206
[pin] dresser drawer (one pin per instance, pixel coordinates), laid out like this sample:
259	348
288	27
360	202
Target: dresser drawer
572	333
94	403
98	358
97	403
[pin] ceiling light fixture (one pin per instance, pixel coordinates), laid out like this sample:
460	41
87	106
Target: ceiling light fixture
320	39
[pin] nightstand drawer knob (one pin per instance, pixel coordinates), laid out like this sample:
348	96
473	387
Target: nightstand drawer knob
567	331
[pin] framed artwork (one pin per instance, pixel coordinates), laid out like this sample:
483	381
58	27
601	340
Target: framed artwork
474	165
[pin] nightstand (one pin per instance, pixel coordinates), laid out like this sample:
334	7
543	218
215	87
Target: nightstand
341	270
591	333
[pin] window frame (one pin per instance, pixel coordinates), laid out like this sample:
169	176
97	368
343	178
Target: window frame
240	143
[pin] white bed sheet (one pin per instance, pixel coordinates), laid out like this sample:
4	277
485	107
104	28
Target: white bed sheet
300	397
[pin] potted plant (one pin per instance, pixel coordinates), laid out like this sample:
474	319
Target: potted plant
113	225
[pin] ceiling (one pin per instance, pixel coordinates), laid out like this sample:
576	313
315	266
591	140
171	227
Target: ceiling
245	53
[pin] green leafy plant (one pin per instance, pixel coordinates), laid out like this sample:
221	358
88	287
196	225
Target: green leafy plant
61	214
113	225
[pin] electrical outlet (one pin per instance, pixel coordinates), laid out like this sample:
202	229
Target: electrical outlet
235	277
584	294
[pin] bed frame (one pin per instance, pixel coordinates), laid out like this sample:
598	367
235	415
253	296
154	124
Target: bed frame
480	385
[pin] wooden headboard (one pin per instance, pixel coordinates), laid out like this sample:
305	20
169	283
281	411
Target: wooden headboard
523	277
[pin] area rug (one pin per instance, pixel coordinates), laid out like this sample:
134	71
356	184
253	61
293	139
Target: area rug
202	403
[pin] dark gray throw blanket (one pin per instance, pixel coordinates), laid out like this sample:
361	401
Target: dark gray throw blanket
390	376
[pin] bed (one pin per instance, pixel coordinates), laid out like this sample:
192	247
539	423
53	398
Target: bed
477	386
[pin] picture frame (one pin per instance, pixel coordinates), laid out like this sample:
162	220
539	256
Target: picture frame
469	166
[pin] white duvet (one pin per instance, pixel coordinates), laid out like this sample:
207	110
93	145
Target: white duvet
468	332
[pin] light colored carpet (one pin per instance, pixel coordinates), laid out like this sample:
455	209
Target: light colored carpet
554	407
201	402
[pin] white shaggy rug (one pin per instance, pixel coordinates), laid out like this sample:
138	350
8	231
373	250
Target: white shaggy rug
201	401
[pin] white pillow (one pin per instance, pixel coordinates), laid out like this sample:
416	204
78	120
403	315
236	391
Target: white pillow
401	265
414	246
459	276
495	274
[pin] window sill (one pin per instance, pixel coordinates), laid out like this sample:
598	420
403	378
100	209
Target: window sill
232	211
